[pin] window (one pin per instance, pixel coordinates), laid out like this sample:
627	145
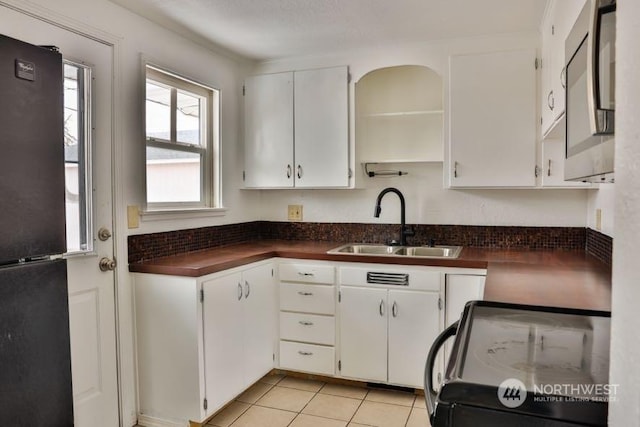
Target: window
181	142
77	157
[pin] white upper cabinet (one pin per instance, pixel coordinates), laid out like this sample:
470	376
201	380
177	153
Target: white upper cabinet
297	129
321	112
399	115
493	119
558	21
268	118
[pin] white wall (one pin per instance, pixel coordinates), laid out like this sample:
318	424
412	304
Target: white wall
602	199
427	201
625	347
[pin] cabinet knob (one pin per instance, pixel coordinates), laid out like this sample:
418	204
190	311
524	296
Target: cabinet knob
299	171
394	309
381	308
288	171
551	101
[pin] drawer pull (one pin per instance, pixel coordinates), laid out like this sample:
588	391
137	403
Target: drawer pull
305	323
305	353
305	274
305	294
239	291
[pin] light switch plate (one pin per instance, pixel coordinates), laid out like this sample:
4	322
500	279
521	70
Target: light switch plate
294	213
133	216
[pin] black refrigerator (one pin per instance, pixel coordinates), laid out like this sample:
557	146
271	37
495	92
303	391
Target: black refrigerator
35	355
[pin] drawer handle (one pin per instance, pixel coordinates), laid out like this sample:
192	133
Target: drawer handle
394	309
381	307
305	274
239	291
305	353
305	323
247	289
305	294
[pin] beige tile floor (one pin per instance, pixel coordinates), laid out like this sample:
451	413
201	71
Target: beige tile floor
283	401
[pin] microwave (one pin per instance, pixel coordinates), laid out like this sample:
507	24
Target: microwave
590	94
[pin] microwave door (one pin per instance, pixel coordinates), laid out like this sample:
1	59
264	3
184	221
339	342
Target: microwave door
601	67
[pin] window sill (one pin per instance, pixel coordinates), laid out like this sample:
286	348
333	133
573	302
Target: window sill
172	214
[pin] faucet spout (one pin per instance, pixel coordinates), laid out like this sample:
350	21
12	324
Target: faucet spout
404	230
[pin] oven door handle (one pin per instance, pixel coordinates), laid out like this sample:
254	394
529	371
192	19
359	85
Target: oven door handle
429	392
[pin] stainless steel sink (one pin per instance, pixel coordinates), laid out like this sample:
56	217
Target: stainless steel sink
366	249
431	252
398	251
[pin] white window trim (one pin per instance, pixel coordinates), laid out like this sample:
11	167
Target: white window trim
211	197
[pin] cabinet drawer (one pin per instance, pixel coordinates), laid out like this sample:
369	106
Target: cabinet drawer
307	298
307	273
309	328
307	357
426	280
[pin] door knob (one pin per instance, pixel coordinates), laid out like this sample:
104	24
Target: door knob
107	264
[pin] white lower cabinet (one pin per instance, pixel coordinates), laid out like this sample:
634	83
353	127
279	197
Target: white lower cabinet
202	341
307	317
386	330
239	337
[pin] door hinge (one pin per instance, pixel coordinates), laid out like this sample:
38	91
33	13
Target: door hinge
244	90
339	365
349	77
244	175
538	63
272	272
202	297
274	357
205	404
439	303
350	173
339	296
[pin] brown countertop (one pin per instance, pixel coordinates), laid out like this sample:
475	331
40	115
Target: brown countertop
553	278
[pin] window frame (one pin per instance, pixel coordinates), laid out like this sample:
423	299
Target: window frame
85	162
208	149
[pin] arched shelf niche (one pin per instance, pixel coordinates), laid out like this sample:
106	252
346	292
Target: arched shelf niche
399	115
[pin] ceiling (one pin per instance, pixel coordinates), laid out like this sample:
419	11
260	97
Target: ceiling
271	29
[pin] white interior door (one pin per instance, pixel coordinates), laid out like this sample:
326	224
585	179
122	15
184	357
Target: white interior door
91	291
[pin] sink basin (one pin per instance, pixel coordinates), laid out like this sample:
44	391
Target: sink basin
366	249
432	252
399	251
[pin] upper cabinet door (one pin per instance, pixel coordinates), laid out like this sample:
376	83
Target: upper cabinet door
493	119
268	149
322	128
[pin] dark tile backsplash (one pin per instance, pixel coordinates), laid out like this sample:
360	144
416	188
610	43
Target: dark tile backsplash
566	238
599	245
143	247
148	246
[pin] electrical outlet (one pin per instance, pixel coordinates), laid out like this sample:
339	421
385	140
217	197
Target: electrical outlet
598	219
294	213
